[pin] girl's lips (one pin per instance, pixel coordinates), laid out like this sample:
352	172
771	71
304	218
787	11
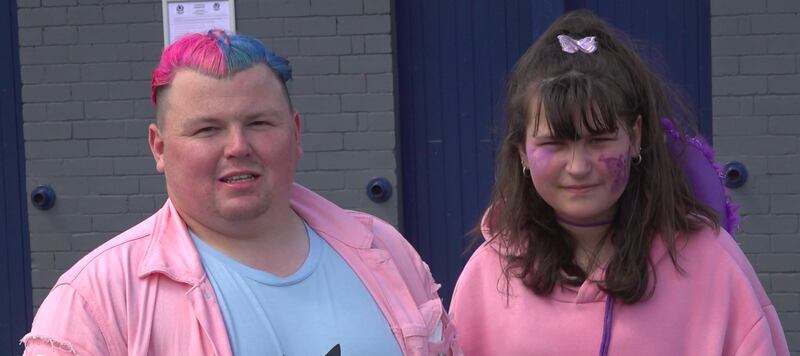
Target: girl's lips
580	188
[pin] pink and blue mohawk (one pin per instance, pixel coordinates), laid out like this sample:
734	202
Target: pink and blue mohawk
216	54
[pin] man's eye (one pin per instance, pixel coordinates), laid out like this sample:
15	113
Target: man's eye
260	123
205	130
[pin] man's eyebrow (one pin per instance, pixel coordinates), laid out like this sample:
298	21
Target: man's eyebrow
265	113
206	120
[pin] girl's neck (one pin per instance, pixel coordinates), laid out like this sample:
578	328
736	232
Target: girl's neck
568	222
592	247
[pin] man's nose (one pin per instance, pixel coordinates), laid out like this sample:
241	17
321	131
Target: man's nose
579	163
238	144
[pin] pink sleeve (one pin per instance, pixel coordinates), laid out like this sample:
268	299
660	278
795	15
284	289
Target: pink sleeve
769	327
776	331
758	341
65	325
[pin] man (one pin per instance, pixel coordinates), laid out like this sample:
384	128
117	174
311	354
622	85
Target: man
240	260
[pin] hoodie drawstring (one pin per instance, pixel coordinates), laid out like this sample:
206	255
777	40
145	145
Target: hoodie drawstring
609	315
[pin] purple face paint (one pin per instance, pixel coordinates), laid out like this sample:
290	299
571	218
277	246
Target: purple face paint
618	168
538	156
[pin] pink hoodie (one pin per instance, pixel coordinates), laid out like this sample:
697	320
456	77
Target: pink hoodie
145	292
716	307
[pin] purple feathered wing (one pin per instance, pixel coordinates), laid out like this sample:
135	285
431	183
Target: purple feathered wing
704	174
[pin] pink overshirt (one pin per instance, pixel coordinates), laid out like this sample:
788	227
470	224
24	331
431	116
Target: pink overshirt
145	292
716	307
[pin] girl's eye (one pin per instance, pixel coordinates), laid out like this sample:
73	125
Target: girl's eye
602	139
551	143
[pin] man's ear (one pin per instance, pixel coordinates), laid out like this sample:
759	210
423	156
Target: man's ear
297	134
156	146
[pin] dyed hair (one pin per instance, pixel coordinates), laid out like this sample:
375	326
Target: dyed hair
219	55
602	91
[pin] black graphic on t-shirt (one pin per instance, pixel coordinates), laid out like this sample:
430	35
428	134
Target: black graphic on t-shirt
335	351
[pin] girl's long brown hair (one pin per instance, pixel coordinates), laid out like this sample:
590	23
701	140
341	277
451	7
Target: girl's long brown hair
603	91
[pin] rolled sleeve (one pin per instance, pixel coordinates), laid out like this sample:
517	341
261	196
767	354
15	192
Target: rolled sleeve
65	324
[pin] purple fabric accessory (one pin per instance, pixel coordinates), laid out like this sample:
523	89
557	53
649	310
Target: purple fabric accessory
705	176
571	45
609	316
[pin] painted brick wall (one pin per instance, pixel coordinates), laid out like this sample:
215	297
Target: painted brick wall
86	69
755	48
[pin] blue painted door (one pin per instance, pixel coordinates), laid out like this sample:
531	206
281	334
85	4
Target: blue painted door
452	59
15	280
675	37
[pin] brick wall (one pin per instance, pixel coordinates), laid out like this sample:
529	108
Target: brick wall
86	69
755	50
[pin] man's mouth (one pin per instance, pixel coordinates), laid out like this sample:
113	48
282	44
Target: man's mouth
240	178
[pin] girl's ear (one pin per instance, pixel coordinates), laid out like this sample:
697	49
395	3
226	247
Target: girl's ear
523	156
636	134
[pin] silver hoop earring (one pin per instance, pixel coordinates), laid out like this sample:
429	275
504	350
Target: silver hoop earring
525	170
637	160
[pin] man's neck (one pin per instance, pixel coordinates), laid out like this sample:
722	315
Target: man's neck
276	243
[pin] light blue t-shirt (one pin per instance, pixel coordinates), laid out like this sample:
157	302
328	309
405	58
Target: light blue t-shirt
322	305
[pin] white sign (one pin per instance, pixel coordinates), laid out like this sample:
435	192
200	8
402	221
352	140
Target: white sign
183	17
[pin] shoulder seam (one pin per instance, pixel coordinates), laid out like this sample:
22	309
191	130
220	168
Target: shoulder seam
750	331
98	254
92	311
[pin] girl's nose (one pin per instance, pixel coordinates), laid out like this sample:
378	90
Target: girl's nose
579	163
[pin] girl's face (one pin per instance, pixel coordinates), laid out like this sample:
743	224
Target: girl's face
581	178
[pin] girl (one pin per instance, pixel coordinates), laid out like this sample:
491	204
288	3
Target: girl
595	242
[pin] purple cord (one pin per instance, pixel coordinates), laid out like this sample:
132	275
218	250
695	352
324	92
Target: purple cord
609	315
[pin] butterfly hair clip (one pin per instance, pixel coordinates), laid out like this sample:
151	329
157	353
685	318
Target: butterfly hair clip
571	45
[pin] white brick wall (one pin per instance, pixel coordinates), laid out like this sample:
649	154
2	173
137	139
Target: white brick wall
755	50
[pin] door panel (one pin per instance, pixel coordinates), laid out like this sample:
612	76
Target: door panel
15	281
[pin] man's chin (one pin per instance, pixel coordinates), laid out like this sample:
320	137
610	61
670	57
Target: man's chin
243	212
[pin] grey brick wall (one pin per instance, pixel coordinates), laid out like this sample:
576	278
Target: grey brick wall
86	66
755	48
86	69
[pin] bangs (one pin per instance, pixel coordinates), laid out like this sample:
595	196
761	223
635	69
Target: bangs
573	103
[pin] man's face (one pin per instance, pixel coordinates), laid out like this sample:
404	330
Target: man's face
228	147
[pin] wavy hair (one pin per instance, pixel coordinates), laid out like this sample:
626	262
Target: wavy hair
601	91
